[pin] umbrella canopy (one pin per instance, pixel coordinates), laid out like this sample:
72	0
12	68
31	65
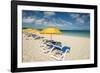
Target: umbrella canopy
31	30
51	30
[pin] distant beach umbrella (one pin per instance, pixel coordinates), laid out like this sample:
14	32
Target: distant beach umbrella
51	30
31	30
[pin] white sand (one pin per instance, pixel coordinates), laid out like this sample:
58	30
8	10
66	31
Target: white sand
80	48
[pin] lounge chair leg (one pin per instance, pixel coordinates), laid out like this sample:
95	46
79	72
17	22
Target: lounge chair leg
50	51
63	56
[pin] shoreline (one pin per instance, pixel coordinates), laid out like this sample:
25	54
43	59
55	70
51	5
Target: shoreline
76	35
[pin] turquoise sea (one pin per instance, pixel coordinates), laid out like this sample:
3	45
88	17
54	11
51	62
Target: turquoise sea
82	33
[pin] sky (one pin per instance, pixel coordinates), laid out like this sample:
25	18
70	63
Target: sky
60	20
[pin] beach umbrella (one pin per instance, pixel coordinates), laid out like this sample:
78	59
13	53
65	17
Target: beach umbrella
51	30
31	30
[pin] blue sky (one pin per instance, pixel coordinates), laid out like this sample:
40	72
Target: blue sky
61	20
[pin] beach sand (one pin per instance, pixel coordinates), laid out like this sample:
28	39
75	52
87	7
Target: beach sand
32	52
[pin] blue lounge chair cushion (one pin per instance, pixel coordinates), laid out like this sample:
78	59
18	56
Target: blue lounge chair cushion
50	46
65	48
59	48
59	45
53	42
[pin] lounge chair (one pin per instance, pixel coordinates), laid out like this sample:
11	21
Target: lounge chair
62	50
34	35
38	37
65	49
48	45
51	44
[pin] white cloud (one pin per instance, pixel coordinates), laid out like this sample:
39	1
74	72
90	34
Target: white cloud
47	14
65	22
28	19
74	15
59	23
39	21
80	19
45	22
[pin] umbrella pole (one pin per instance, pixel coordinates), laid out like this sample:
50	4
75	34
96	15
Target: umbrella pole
51	36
